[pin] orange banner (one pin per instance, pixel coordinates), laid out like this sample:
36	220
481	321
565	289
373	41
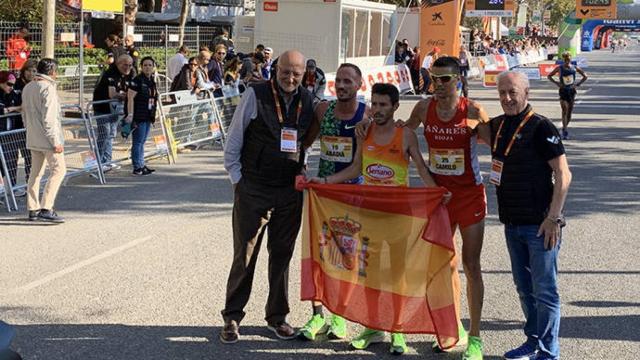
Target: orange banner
439	26
379	256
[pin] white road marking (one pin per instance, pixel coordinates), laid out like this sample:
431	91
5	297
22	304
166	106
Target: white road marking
80	265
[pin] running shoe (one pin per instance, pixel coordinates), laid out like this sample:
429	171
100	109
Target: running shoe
366	338
338	328
522	352
474	349
544	356
313	327
463	339
398	344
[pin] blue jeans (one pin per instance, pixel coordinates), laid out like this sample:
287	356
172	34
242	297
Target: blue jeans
140	134
107	129
535	272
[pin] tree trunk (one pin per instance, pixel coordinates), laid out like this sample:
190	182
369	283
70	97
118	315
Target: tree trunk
184	14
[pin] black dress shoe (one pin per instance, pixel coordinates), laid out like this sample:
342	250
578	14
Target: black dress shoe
229	333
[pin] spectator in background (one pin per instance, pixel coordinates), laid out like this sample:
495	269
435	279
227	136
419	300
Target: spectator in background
425	69
314	81
186	78
259	49
222	38
464	58
142	100
246	70
131	50
112	85
232	71
18	49
12	146
401	53
42	116
27	73
216	69
268	62
202	74
177	62
414	70
114	50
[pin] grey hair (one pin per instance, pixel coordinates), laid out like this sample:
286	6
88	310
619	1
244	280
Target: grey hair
123	57
521	78
47	66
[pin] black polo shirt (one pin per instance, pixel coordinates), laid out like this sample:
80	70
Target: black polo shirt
110	77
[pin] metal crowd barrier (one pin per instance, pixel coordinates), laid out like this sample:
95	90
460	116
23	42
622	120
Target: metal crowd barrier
189	119
79	151
100	124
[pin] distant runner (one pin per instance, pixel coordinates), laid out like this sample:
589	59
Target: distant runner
567	84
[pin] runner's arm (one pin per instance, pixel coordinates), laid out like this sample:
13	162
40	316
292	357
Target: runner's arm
362	128
478	120
417	115
552	73
583	74
413	149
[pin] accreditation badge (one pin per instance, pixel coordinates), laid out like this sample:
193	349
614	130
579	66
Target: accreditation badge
336	149
446	161
289	140
152	103
496	172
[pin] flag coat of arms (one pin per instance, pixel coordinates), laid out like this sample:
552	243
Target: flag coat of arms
379	256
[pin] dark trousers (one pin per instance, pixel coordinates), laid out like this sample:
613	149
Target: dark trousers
257	208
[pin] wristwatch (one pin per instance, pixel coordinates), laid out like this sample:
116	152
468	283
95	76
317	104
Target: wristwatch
560	220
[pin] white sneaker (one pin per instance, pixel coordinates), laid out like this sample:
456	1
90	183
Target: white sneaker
20	193
115	167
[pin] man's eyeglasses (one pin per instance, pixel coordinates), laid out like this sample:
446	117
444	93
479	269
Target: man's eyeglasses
11	84
444	78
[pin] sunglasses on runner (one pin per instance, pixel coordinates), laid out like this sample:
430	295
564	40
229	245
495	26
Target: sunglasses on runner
444	78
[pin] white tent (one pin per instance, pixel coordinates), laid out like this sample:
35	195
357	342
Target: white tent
504	31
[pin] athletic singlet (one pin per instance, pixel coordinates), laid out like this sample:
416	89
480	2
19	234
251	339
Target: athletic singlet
453	156
337	142
385	165
567	76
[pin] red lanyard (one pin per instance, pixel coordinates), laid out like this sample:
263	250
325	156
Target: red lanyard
279	107
513	138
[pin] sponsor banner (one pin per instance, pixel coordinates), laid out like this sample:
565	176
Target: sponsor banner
397	75
596	9
439	26
270	6
546	69
114	6
490	78
533	73
89	160
501	63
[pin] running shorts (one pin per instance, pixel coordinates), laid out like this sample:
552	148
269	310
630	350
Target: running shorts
567	94
468	205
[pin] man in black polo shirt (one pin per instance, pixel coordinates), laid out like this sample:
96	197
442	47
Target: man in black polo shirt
532	177
264	153
113	85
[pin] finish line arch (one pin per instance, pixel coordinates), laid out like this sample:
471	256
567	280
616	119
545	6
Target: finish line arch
591	29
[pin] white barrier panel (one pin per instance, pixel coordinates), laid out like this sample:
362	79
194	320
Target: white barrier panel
397	75
533	73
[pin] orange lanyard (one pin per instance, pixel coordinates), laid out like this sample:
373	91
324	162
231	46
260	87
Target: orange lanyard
279	107
513	138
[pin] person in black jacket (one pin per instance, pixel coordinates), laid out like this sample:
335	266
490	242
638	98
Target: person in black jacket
13	145
186	78
142	100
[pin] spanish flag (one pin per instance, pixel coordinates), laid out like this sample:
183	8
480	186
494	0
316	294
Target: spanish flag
379	256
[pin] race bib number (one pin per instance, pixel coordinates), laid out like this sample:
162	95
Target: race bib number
289	140
446	161
496	172
336	149
567	80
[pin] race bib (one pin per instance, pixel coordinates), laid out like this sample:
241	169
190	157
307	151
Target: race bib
446	161
496	172
289	140
336	149
567	80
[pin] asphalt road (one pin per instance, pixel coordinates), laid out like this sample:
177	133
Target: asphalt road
139	269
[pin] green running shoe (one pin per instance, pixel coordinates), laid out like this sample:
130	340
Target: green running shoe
463	339
398	345
313	327
338	328
366	338
474	349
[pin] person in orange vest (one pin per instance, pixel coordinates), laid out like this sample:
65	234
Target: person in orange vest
18	48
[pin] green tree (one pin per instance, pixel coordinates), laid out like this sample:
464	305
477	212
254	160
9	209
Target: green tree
27	10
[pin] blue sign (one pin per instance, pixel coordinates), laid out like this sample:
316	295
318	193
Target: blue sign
533	73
